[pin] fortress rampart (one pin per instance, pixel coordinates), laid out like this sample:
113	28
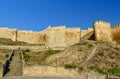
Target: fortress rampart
102	31
60	36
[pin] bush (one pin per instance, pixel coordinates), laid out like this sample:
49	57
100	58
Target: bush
81	68
26	50
90	45
101	53
51	52
6	55
70	66
116	48
26	57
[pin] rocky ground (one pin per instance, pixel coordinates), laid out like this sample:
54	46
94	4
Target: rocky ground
33	77
85	56
101	56
88	53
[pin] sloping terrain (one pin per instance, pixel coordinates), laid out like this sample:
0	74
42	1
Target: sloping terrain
88	54
71	55
4	53
5	41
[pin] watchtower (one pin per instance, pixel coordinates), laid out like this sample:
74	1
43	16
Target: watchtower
102	31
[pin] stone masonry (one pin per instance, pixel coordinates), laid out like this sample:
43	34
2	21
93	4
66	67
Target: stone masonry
102	31
60	36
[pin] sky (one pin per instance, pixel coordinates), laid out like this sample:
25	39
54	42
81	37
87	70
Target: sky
37	15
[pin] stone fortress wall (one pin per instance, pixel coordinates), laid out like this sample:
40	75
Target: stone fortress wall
60	36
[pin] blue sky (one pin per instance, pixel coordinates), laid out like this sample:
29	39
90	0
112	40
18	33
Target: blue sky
36	15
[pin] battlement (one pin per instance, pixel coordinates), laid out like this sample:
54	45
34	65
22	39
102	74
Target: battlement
100	22
58	27
63	36
102	31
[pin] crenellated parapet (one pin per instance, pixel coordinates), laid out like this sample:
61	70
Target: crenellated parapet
63	36
101	22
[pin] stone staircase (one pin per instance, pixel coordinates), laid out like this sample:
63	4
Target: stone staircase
15	65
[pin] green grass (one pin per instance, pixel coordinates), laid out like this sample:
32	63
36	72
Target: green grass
112	71
96	69
5	41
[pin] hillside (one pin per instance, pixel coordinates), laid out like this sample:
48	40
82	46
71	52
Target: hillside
89	55
5	41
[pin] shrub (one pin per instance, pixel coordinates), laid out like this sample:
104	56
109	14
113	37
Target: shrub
26	57
6	55
51	52
70	66
90	45
26	50
116	48
101	53
81	68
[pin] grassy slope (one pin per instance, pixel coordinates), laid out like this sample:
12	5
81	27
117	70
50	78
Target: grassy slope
37	58
4	41
106	57
4	53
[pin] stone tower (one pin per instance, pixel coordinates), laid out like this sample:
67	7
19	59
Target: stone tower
102	31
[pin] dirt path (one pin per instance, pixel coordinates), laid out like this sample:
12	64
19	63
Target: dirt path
91	55
15	65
